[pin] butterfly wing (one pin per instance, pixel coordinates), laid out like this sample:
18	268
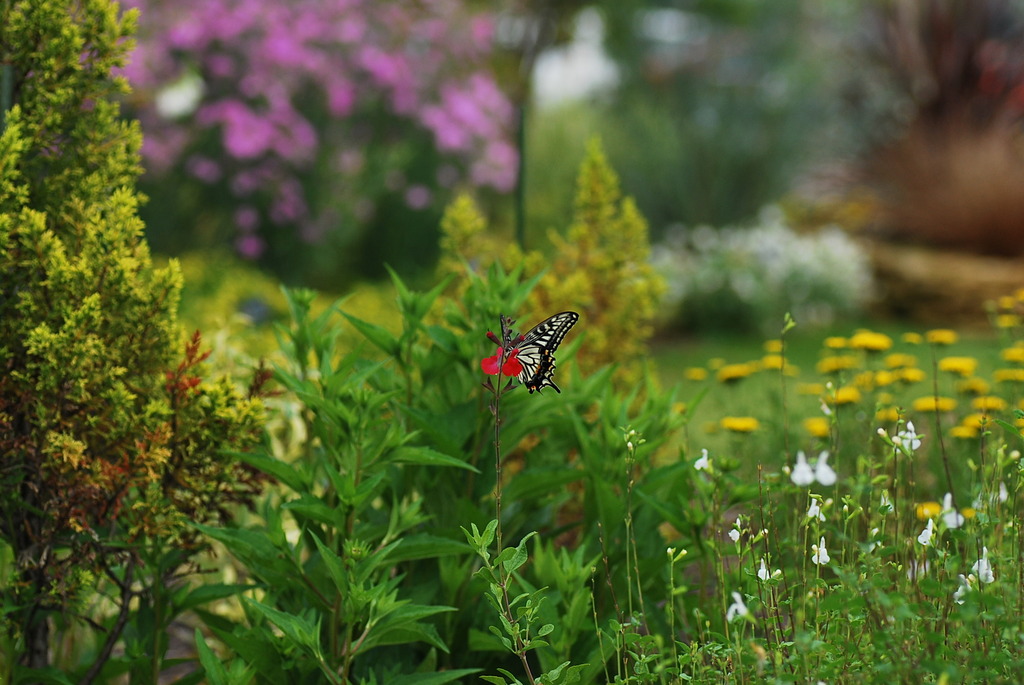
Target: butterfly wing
537	350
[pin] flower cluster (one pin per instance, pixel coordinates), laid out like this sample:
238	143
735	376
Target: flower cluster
758	273
256	96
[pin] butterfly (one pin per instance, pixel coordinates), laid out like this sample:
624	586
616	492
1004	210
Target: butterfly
537	350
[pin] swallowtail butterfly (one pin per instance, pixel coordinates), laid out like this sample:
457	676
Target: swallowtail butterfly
537	350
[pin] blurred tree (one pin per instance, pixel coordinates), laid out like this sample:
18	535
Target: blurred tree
720	105
948	104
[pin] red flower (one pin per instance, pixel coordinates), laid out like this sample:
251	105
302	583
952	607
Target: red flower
512	367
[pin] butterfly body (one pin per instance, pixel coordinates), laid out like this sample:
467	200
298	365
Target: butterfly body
536	351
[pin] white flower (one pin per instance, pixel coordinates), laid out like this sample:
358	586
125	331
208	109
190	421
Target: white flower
734	534
764	574
873	543
983	567
908	438
885	504
819	555
814	511
704	462
802	474
823	473
180	98
925	538
950	516
965	587
737	608
1003	494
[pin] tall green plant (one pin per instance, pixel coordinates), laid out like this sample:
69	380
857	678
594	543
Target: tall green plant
111	439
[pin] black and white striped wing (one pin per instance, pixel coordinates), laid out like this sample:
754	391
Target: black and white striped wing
537	351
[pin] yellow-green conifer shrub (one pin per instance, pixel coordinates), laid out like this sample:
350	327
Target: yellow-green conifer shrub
111	440
600	268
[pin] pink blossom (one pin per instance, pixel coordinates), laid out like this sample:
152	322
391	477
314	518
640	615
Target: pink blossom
418	196
246	218
204	168
295	90
250	246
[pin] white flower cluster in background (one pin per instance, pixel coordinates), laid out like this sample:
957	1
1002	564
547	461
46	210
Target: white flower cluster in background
736	277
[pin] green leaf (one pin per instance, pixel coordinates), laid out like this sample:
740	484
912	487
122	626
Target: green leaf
335	566
427	546
314	508
377	335
41	676
204	594
283	471
532	484
432	678
215	672
520	557
299	630
427	457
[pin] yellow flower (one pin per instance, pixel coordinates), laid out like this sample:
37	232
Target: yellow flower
1019	294
969	512
911	338
885	398
1006	302
836	363
835	342
716	363
773	346
679	408
773	362
941	336
989	403
932	403
974	386
975	421
865	380
818	426
1008	375
963	432
810	388
928	510
1013	354
731	373
1007	321
910	375
870	341
965	366
740	424
845	395
898	359
884	378
695	373
888	414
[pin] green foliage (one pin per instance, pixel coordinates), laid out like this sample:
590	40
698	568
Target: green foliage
360	561
111	438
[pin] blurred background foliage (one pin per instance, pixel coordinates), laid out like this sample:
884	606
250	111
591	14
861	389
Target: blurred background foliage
322	141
